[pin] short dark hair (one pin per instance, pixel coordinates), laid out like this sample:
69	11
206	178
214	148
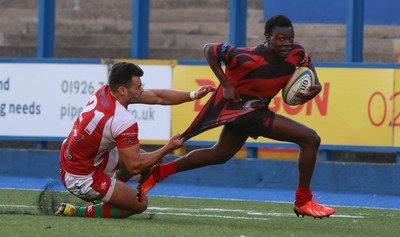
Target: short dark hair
121	74
276	21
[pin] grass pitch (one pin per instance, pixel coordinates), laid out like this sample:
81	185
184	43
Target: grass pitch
30	213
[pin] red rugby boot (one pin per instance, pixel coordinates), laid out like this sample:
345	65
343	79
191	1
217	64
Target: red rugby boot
146	183
311	208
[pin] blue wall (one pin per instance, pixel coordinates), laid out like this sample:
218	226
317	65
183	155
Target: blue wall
382	12
246	173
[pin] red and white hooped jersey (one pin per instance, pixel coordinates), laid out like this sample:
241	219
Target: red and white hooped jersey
102	125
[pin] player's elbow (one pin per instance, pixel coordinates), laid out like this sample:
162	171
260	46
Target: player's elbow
208	51
133	166
207	47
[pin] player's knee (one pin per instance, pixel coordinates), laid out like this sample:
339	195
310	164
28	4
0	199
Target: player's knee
140	209
313	139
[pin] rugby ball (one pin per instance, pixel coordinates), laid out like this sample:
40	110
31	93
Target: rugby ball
300	81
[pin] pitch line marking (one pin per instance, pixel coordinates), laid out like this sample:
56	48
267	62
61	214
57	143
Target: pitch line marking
197	210
248	212
208	215
18	206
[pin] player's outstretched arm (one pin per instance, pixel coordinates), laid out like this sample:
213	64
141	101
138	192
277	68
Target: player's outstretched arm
173	97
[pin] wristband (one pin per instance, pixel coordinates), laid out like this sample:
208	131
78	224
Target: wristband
193	95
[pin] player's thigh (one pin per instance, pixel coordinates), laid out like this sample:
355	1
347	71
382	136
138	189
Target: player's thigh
125	197
95	186
286	129
229	141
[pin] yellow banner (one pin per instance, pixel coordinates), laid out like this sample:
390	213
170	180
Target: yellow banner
190	78
353	108
396	110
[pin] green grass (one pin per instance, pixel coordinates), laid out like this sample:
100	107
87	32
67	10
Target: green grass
171	216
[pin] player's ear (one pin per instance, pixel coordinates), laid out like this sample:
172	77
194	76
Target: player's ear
267	37
122	90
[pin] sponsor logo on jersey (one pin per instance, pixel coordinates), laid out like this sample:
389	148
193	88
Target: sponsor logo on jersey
129	134
77	135
103	186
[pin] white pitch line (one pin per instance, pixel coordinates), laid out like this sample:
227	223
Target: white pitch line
248	212
193	212
18	206
208	215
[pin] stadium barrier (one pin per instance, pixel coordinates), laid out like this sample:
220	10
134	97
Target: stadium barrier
358	109
252	150
341	177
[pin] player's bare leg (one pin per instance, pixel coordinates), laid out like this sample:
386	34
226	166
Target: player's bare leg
123	203
285	129
228	145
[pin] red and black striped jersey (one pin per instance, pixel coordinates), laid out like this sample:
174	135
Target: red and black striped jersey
250	73
257	81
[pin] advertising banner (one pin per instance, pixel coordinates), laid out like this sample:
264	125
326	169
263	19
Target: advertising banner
357	106
154	120
190	78
396	109
43	100
353	108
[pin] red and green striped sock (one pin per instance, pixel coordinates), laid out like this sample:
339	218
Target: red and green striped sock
161	172
122	175
102	210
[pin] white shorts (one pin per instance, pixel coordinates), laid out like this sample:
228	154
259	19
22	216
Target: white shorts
95	186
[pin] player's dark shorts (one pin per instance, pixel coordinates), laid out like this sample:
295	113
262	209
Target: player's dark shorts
254	124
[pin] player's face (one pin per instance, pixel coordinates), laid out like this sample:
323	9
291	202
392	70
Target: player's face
280	41
135	90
